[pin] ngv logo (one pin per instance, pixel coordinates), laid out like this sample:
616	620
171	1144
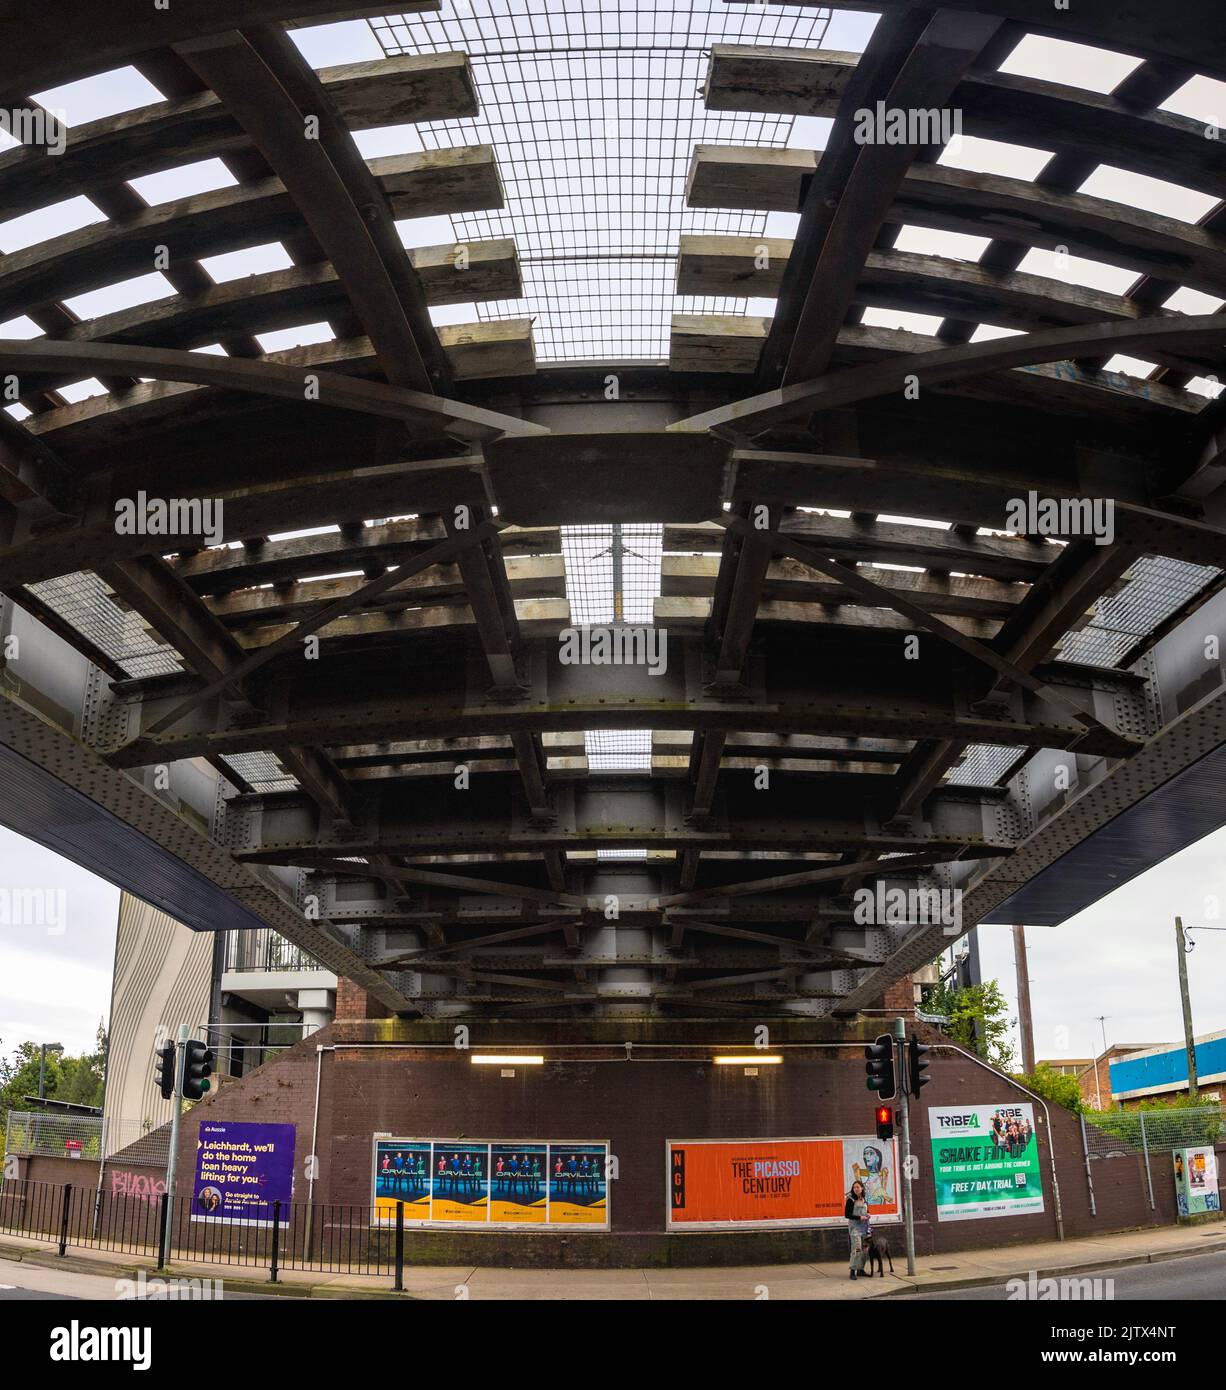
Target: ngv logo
615	646
1033	515
882	906
143	515
900	125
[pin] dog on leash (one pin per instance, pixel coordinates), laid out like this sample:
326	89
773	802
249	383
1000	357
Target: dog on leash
877	1248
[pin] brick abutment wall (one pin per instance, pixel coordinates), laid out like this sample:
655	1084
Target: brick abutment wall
408	1080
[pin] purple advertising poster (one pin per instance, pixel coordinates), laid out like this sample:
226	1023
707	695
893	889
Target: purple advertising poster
241	1170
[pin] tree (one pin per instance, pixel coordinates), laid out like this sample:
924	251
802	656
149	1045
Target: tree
1055	1086
978	1020
77	1080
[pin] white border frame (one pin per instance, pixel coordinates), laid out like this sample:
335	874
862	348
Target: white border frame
793	1223
545	1227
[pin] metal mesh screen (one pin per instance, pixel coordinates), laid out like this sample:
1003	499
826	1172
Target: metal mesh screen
984	765
613	575
84	601
53	1136
262	770
1133	1131
1159	588
618	750
612	572
593	110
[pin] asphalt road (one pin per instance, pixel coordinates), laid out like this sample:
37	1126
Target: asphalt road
1192	1277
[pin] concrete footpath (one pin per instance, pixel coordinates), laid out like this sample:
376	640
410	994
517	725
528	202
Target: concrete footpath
101	1270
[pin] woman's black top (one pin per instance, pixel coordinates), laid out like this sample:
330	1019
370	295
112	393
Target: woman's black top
849	1208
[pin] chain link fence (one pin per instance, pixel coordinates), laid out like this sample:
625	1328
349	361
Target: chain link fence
37	1133
1148	1134
43	1134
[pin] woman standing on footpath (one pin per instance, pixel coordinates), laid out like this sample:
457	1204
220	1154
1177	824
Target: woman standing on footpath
855	1209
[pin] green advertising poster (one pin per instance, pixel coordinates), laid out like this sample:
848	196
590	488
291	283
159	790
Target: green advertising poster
985	1161
1196	1181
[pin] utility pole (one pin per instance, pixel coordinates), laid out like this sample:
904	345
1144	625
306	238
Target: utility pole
904	1187
1189	1039
1098	1088
1025	1019
42	1065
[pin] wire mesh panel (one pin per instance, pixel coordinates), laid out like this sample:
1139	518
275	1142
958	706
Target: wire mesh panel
1160	586
53	1136
83	601
984	765
1114	1132
593	108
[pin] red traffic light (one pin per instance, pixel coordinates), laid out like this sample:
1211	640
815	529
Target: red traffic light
885	1122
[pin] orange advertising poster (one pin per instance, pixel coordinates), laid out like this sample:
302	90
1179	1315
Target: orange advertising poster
778	1181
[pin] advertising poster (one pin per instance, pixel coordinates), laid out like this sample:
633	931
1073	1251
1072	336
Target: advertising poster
492	1183
402	1174
985	1161
241	1169
577	1192
519	1176
778	1182
872	1161
1196	1181
461	1181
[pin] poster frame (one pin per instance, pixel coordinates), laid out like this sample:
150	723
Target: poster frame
262	1223
950	1213
796	1223
545	1227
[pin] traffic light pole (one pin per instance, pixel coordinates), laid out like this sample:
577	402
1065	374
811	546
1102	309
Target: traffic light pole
172	1161
904	1081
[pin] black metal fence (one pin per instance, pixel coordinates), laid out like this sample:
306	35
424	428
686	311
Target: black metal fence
326	1237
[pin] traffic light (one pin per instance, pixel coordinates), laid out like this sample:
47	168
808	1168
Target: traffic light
885	1122
197	1068
165	1075
879	1065
917	1066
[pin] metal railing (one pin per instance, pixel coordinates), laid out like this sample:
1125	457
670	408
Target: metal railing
324	1237
265	949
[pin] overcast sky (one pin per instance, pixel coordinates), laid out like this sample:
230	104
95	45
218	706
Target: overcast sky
54	986
1116	959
